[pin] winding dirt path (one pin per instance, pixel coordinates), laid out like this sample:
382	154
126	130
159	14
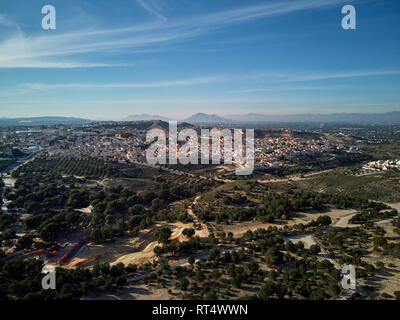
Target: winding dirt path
204	232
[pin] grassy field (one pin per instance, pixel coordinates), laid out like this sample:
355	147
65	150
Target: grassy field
383	151
381	187
133	184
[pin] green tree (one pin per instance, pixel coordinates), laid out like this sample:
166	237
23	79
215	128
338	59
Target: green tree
121	280
315	249
117	269
273	256
96	236
25	242
188	232
51	231
163	235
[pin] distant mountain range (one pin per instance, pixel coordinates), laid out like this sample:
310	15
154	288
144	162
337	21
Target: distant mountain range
203	118
39	121
196	118
145	116
388	117
355	118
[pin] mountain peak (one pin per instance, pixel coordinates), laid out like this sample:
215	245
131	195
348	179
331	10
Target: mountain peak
205	118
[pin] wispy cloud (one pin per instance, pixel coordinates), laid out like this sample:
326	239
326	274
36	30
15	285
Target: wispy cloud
289	88
152	7
158	84
272	77
4	21
272	80
24	51
271	9
63	50
342	75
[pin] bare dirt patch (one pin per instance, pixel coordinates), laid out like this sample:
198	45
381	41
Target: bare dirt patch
299	217
137	292
135	250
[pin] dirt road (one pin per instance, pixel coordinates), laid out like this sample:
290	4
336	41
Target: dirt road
204	232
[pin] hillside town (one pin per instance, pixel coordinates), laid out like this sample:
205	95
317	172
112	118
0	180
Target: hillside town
126	141
270	151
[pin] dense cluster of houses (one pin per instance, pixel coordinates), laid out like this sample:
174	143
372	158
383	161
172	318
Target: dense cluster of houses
116	141
383	165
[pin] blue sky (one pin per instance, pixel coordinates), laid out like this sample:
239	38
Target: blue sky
110	59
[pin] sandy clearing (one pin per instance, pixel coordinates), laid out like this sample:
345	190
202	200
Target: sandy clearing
294	178
136	292
135	250
299	217
111	251
85	210
307	239
344	222
147	255
394	205
204	232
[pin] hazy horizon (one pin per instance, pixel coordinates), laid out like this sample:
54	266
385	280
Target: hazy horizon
225	116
